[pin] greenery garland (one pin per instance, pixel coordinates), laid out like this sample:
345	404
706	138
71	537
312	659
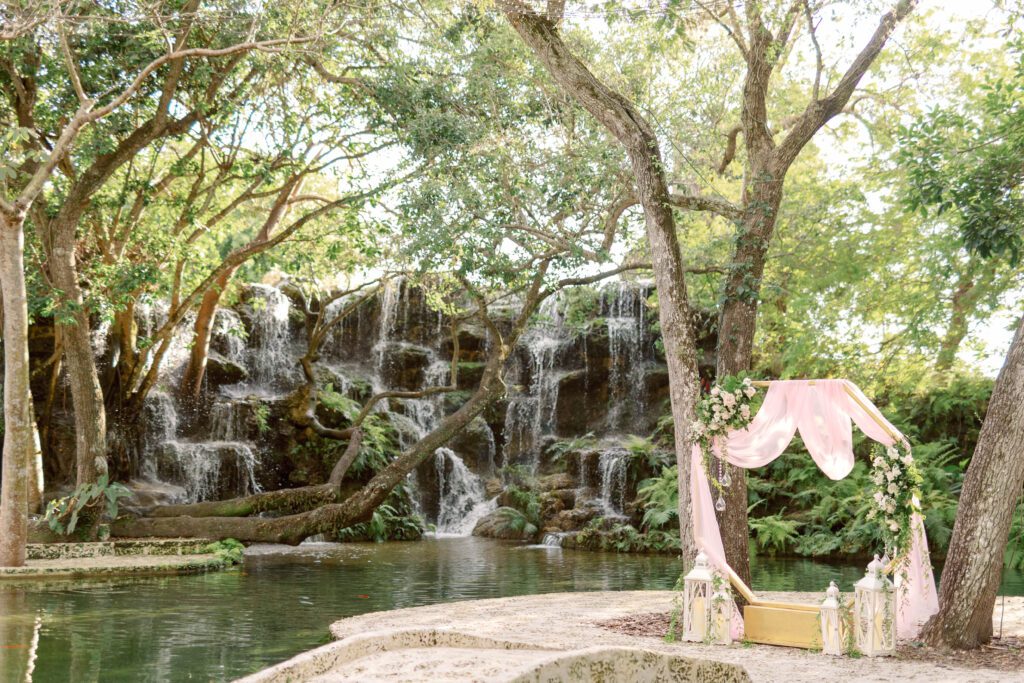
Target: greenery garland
726	408
897	485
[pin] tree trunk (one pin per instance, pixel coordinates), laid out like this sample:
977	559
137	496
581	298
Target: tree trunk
86	393
737	325
195	371
622	119
19	444
992	485
965	298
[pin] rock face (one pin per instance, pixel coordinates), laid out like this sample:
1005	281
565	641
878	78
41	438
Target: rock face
499	524
589	370
221	371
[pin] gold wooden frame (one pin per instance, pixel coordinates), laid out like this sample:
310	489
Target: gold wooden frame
791	624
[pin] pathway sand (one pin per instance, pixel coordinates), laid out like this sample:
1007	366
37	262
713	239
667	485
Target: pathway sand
512	639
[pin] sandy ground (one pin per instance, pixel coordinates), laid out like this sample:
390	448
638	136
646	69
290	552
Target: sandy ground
573	621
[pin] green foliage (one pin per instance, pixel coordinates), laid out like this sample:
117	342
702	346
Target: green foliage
524	501
229	550
659	498
774	533
89	503
608	535
559	450
261	414
967	163
1014	558
580	308
393	520
517	521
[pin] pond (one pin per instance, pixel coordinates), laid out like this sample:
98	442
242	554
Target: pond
219	626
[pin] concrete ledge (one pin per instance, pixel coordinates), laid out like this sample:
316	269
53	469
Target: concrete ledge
559	636
106	566
448	655
129	546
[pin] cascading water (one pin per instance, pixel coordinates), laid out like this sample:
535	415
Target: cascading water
209	470
532	415
623	305
270	360
462	495
612	464
230	335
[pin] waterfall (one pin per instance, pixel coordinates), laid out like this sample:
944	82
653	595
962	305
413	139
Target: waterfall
532	415
229	333
462	495
612	464
150	317
209	470
229	420
553	540
624	308
390	298
270	361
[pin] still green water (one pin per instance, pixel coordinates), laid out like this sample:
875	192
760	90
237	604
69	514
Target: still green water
216	627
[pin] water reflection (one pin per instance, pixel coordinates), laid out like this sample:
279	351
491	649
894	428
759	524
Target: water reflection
220	626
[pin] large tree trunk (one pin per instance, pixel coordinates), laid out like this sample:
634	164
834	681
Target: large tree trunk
737	325
86	393
970	578
622	119
19	444
195	371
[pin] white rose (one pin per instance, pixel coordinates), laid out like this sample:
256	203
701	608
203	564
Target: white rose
893	526
749	392
893	489
714	391
745	412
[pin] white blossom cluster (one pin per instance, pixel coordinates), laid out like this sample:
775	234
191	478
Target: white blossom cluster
895	480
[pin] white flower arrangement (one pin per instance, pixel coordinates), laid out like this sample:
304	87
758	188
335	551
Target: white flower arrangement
725	408
896	483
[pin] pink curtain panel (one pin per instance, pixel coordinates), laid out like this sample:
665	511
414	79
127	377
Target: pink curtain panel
823	412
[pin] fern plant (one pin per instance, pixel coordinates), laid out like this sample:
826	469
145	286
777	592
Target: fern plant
659	498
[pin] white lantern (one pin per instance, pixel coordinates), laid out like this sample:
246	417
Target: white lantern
697	600
721	615
875	612
831	626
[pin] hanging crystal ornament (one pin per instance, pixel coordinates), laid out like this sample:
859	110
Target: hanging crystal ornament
720	503
726	478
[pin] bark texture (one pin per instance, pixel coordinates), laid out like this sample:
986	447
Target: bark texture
638	139
992	486
83	376
195	371
19	441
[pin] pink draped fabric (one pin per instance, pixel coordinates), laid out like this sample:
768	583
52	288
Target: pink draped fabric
823	411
